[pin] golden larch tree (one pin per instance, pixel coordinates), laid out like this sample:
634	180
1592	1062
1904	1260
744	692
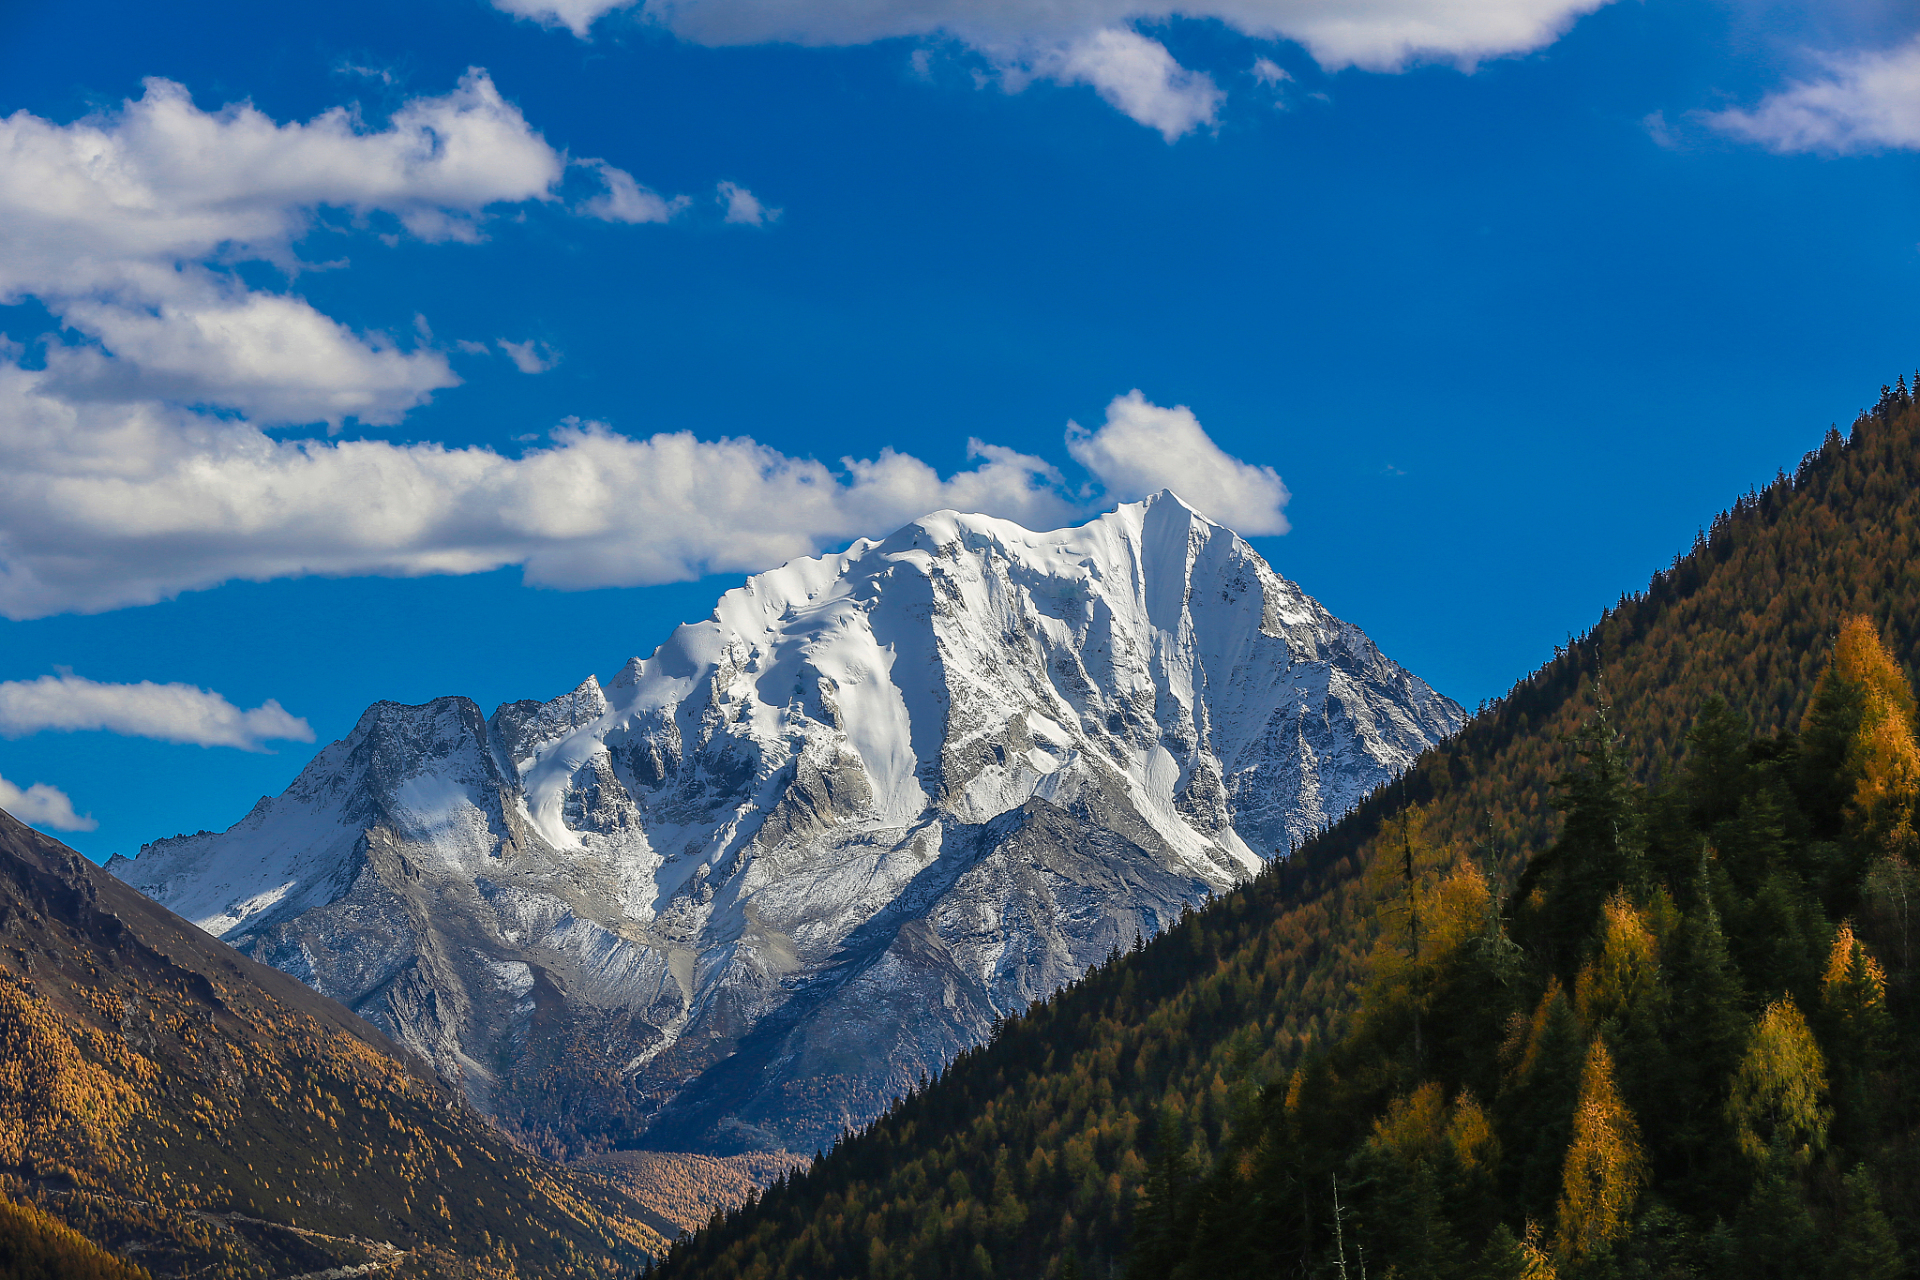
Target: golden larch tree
1605	1169
1779	1094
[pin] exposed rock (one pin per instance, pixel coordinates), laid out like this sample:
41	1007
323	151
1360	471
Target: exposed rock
813	846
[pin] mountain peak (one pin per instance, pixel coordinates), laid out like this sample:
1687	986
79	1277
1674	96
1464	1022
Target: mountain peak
819	841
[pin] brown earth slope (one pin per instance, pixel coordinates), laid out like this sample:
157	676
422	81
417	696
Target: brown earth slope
683	1190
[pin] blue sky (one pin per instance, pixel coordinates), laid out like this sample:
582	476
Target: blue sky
370	351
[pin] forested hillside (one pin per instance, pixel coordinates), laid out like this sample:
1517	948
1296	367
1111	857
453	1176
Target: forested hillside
1675	1052
203	1115
1028	1156
36	1246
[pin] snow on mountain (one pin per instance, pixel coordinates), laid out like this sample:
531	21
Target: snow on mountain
814	845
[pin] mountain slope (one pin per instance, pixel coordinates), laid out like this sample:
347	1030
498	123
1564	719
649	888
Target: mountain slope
1680	1051
816	845
207	1115
1032	1149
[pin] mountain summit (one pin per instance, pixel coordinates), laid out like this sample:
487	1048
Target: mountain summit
817	844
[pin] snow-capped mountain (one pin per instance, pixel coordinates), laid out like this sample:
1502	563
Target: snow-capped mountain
814	845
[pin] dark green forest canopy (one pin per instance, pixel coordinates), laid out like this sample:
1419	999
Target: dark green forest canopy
1029	1156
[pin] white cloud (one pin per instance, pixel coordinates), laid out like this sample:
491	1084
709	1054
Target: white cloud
127	224
169	712
270	356
744	207
1085	41
43	806
625	200
1868	101
1143	448
531	356
1382	35
346	67
1138	77
105	504
577	16
1269	72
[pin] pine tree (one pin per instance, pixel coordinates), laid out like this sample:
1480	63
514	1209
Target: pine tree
1599	850
1510	1257
1159	1237
1775	1233
1538	1105
1716	768
1866	1248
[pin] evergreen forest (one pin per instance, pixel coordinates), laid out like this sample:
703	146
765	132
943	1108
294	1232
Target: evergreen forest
1617	982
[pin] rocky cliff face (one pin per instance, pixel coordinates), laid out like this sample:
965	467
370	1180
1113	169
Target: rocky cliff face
813	846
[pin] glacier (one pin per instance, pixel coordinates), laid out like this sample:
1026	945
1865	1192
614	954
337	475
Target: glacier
812	847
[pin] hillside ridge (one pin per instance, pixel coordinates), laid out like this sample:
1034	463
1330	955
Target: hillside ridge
203	1114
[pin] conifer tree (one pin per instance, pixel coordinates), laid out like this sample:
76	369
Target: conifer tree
1599	849
1775	1234
1604	1170
1853	997
1861	765
1621	980
1857	1028
1716	770
1510	1257
1708	995
1866	1248
1158	1236
1541	1096
1778	1101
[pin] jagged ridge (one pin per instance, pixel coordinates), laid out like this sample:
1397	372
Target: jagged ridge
816	844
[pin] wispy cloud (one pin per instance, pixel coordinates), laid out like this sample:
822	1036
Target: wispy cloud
743	206
169	712
531	356
41	805
625	200
1867	102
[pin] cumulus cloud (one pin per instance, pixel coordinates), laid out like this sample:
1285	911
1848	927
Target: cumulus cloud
1143	448
43	806
169	712
105	504
1867	101
270	356
744	207
1098	42
127	224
